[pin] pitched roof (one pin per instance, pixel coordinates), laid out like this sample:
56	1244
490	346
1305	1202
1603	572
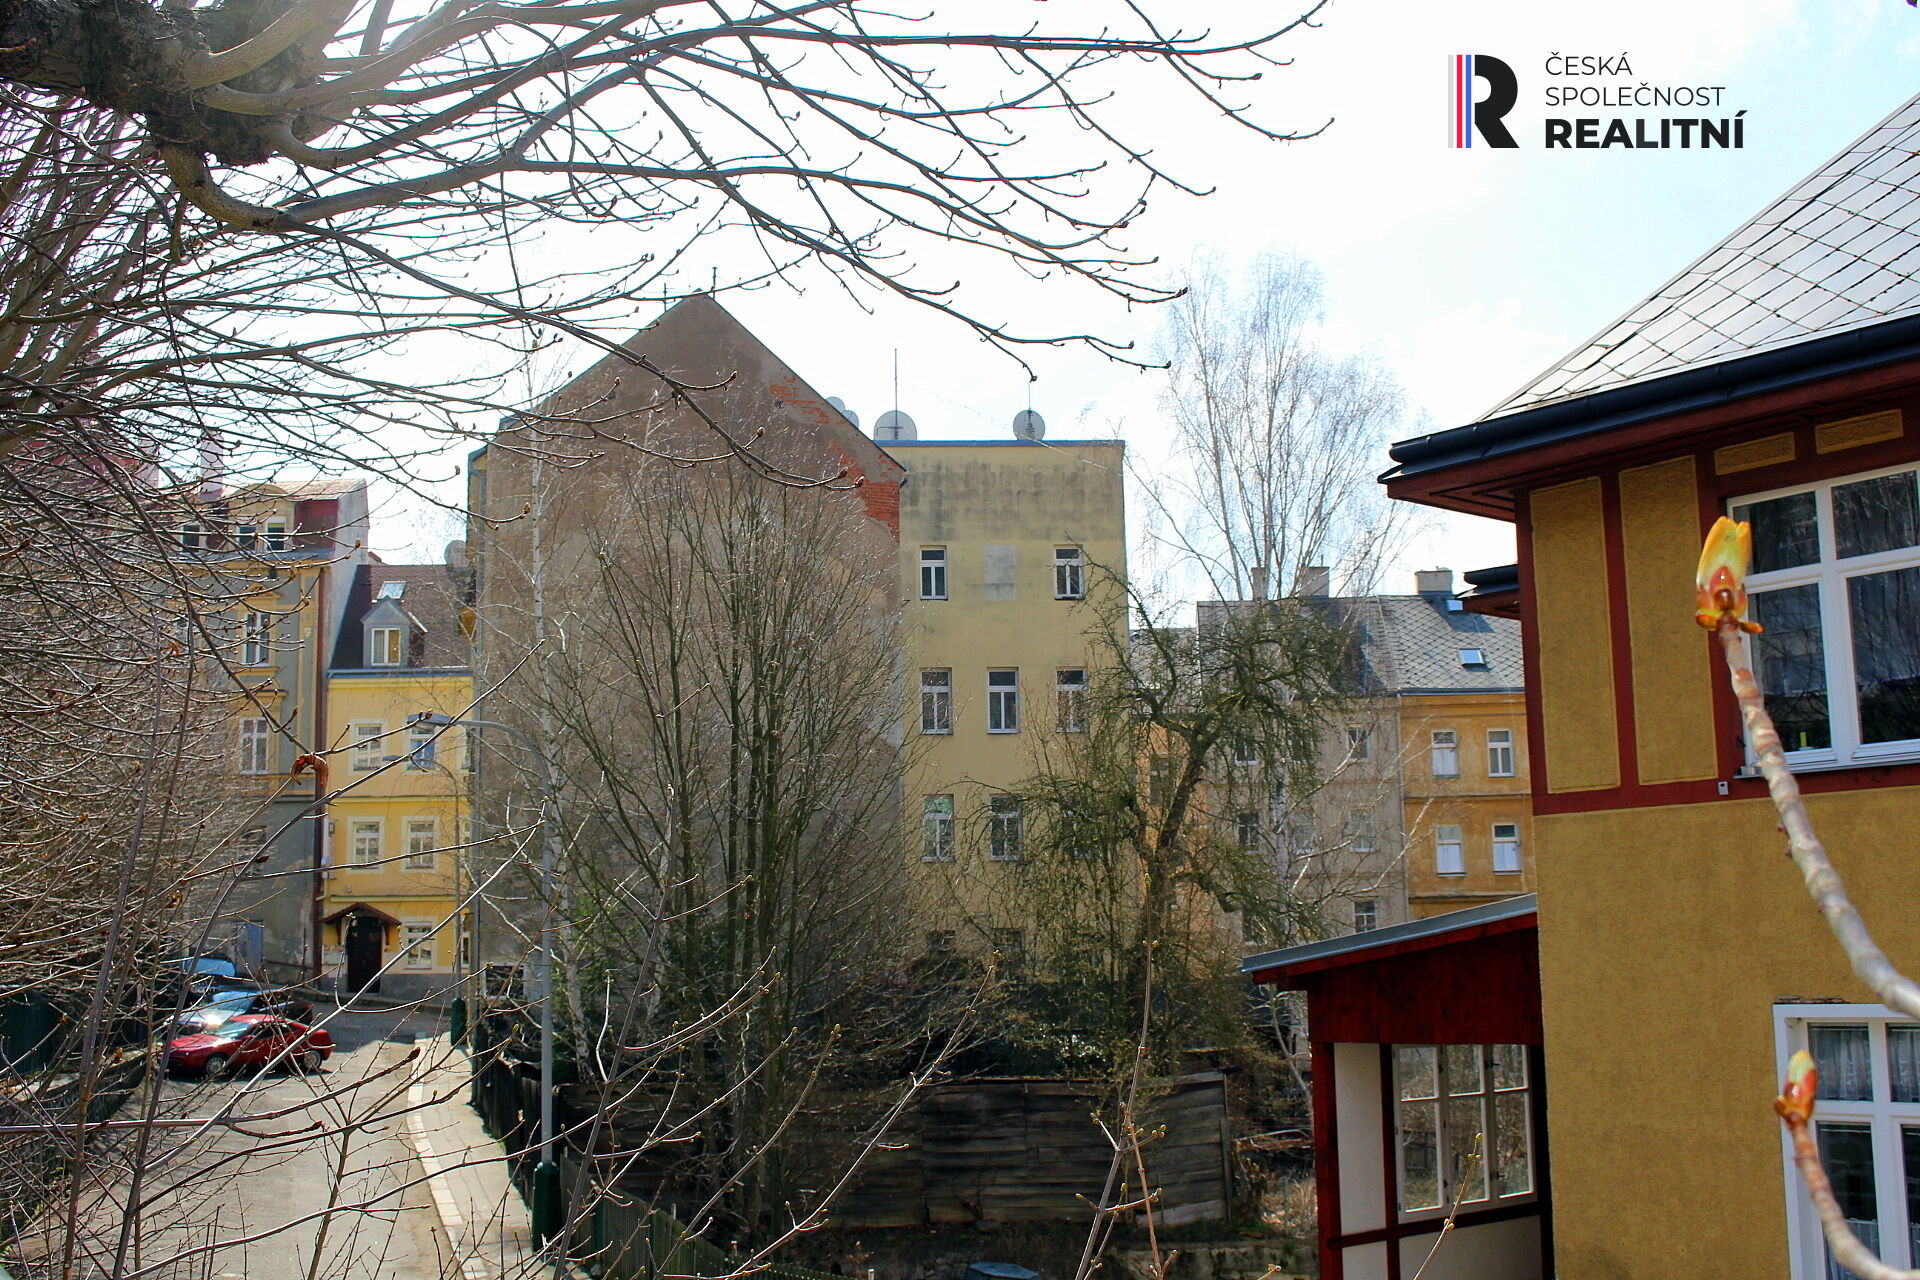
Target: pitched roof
1839	251
1415	644
1432	931
431	595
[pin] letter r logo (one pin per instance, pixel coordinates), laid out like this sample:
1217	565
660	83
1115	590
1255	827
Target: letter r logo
1503	90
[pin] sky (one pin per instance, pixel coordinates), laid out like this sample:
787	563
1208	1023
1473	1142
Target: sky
1466	272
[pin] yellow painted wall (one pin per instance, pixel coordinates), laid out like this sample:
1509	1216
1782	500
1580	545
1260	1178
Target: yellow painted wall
968	497
395	795
1673	684
1573	637
1474	801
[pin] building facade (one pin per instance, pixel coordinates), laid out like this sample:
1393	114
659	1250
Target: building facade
1012	564
393	922
1777	380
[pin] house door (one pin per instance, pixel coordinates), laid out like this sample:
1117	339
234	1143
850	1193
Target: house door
364	935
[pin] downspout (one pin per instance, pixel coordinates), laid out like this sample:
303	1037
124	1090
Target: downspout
318	809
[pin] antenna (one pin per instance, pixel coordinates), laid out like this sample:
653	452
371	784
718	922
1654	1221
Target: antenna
896	379
1028	425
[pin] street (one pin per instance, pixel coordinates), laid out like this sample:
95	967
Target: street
325	1184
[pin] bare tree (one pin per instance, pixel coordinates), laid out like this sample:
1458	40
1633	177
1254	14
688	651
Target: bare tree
1280	437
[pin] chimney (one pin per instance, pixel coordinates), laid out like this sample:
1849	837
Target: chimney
1257	576
1433	582
1313	581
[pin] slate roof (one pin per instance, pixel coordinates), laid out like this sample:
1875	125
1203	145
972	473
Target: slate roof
1839	251
432	599
1412	644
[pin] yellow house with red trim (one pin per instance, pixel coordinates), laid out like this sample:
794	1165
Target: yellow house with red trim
1776	379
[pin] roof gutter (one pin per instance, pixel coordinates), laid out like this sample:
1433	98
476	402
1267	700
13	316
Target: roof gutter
1689	389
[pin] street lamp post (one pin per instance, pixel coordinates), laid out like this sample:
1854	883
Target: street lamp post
546	1173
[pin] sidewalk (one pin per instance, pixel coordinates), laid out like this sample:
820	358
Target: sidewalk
485	1220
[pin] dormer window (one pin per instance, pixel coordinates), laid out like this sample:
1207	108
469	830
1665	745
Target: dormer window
384	647
1473	658
274	536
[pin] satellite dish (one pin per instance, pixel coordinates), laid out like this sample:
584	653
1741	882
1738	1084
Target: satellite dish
895	425
840	407
1028	425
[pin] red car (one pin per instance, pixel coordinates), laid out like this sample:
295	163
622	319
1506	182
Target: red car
250	1040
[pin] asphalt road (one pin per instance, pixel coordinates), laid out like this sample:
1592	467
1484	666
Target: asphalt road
325	1185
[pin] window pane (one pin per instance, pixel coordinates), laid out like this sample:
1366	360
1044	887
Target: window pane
1419	1156
1416	1071
1467	1147
1509	1063
1847	1152
1514	1170
1883	608
1910	1167
1841	1054
1463	1068
1876	515
1790	661
1903	1047
1786	531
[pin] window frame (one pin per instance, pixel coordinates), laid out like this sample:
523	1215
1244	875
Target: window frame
256	638
933	573
1441	844
1512	845
368	750
1495	752
1248	830
936	830
427	859
416	944
1828	575
256	746
1488	1092
1450	748
1361	837
1003	701
378	650
1006	829
1070	700
1069	573
1368	920
1359	743
1883	1118
356	827
423	746
938	699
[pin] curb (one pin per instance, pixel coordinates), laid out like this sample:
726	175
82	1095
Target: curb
452	1221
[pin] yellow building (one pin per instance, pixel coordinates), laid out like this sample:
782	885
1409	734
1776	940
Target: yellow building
394	868
1007	548
278	560
1777	380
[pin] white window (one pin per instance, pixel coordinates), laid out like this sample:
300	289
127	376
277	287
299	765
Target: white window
1446	753
422	745
1071	711
193	537
364	841
276	536
1359	743
1366	915
936	829
1449	851
1069	574
246	537
1836	584
368	745
936	700
1473	658
255	745
1867	1125
1003	701
383	644
1360	830
1448	1096
423	843
1244	748
416	942
933	573
1506	846
1499	753
1247	831
256	639
392	590
1005	839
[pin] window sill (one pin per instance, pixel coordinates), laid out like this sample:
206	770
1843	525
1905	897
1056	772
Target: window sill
1003	731
1006	857
936	733
1828	764
936	857
931	599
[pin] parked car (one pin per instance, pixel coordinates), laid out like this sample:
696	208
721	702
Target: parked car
230	997
250	1040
